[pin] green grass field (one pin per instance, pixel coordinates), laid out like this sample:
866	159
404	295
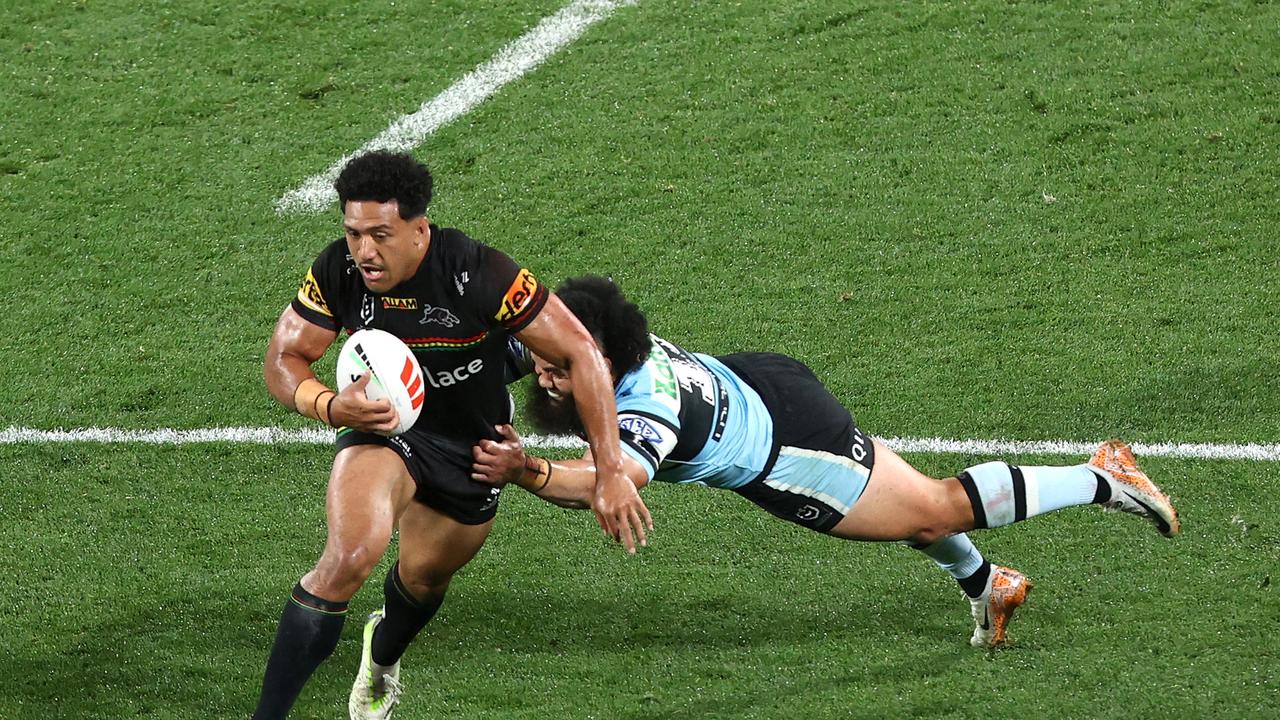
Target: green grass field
982	220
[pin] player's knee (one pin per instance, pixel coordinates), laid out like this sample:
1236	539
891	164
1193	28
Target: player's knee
941	516
936	527
423	583
957	507
926	536
347	565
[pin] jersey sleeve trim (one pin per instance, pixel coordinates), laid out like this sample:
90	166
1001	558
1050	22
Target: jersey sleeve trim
646	437
522	302
309	295
310	303
313	317
641	456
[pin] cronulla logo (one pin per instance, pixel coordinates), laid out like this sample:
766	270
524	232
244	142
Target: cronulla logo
641	429
438	315
808	513
448	378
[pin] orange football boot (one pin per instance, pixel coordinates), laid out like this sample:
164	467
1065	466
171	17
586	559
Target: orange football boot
992	611
1131	490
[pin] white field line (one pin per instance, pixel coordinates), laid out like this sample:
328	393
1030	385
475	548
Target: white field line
1265	452
512	61
240	435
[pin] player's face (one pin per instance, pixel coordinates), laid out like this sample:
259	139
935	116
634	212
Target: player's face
553	380
550	405
385	247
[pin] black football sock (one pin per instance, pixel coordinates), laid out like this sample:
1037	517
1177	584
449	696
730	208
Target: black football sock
405	617
976	584
308	633
1103	492
961	559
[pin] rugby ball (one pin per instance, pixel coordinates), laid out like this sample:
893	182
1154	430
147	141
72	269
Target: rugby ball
394	372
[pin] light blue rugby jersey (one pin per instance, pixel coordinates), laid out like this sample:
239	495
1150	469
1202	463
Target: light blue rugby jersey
687	418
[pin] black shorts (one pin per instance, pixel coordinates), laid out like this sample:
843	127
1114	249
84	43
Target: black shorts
441	470
806	417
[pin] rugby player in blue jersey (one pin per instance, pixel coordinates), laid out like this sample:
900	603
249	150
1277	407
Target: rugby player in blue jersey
763	426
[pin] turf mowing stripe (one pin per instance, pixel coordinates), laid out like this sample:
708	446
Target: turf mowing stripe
512	61
1266	452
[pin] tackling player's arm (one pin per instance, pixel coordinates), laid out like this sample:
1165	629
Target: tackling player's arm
556	335
567	483
295	345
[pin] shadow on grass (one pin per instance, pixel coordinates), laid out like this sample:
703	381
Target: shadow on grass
199	657
143	659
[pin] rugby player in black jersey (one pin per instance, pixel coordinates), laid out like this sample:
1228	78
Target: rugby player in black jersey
456	303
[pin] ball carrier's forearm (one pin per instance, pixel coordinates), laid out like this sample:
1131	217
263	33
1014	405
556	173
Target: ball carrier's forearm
294	348
556	336
287	370
314	399
599	414
285	374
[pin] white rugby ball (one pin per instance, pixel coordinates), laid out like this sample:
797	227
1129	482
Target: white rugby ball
394	372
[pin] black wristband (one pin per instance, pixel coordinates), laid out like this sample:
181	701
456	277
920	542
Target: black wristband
538	470
547	481
328	410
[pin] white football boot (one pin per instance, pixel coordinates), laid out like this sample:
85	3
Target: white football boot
373	698
1006	590
1131	490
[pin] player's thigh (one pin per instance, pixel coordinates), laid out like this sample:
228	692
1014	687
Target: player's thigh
368	489
434	546
899	503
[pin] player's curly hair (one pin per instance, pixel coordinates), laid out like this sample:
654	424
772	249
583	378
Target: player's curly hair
619	327
383	176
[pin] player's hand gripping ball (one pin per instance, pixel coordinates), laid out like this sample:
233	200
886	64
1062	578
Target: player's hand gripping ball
394	372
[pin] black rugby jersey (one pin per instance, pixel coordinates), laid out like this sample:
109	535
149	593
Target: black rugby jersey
455	313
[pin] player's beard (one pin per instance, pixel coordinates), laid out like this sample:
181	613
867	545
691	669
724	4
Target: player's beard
552	416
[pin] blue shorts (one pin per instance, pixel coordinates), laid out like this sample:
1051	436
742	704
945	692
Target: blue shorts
820	462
